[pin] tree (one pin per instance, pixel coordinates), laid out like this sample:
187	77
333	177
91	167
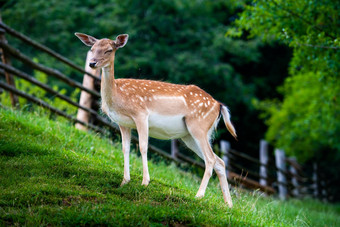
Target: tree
307	122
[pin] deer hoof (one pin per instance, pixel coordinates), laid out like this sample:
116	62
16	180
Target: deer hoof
199	196
145	182
124	182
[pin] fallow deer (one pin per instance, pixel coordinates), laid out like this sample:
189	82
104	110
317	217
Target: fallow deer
160	110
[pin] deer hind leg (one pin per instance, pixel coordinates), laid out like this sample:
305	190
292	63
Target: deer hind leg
143	136
219	168
126	139
190	142
198	141
209	160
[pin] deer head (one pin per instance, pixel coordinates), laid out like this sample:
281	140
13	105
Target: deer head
103	50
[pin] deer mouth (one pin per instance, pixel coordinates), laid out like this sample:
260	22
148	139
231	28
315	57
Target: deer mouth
99	64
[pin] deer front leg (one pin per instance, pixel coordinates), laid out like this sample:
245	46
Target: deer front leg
142	126
126	139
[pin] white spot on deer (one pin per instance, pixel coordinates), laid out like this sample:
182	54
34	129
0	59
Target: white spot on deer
121	89
150	99
190	93
208	102
205	104
141	99
152	90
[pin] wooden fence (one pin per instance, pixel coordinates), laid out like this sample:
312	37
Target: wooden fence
261	173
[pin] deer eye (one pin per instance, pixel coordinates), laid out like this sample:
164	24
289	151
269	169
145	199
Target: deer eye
108	51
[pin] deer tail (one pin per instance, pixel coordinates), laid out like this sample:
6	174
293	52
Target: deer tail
226	117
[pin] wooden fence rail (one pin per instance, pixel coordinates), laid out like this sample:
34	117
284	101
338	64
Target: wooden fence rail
5	59
44	49
46	105
52	72
31	79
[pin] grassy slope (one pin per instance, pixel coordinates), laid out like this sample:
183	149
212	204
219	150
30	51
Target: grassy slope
52	174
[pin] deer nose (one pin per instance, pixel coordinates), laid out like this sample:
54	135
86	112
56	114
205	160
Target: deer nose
92	64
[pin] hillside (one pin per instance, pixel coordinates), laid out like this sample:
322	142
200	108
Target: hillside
53	174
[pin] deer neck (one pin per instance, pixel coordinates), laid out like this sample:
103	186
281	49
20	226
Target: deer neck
108	85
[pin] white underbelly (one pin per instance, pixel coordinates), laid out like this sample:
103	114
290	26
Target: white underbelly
160	126
167	127
121	119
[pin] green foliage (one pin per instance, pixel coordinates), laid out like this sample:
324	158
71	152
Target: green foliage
52	174
307	122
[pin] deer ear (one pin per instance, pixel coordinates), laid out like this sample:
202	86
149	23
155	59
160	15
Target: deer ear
86	39
121	40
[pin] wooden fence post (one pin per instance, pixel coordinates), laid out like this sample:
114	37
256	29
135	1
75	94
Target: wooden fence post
264	162
324	193
225	147
174	148
281	168
9	78
294	180
86	98
315	180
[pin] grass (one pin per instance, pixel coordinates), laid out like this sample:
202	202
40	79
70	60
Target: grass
53	174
